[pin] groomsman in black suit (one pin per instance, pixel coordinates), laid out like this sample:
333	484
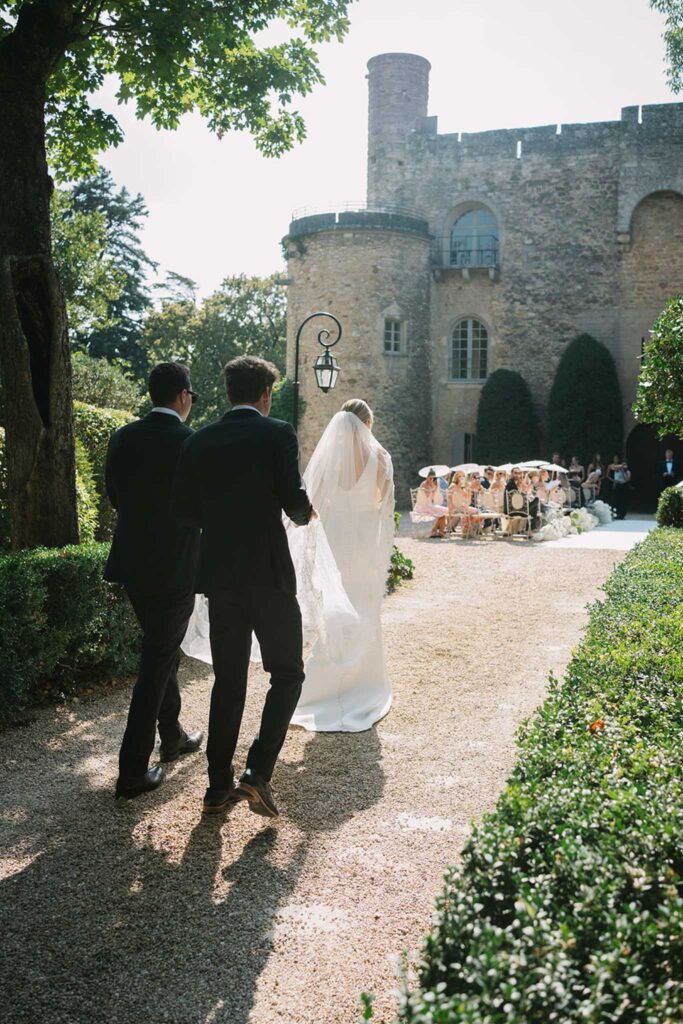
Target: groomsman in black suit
669	472
235	478
154	557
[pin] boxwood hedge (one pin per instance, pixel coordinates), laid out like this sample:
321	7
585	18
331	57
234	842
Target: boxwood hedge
568	902
63	627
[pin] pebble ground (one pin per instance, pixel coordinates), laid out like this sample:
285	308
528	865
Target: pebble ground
122	913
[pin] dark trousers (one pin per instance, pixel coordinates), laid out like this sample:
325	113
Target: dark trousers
275	618
620	499
156	695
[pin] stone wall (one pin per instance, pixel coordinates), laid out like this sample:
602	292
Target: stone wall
363	276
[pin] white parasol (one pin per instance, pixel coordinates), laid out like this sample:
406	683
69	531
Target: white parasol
532	464
439	470
552	468
466	467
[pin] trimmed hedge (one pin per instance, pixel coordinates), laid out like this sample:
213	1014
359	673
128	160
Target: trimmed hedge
507	424
568	904
585	412
63	627
93	427
670	507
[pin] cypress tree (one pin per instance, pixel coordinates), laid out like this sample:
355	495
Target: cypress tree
585	411
507	424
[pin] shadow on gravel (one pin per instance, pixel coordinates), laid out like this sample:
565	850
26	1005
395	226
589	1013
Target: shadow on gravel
101	926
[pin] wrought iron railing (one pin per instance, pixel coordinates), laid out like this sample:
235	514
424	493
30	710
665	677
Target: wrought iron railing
447	254
349	206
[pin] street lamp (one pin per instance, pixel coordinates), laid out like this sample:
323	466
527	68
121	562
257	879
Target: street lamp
326	367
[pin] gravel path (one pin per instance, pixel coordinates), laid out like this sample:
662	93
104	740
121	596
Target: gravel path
142	912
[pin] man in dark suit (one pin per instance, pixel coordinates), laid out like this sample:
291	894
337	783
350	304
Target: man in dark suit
154	557
669	472
234	479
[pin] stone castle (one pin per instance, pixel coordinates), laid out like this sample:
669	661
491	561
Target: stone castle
483	250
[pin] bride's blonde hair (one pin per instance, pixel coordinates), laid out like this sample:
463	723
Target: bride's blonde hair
360	409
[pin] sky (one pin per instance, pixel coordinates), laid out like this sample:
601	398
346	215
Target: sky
218	208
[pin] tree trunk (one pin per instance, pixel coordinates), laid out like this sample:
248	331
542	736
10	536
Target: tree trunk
34	350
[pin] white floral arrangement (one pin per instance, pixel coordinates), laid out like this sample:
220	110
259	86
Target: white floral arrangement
603	512
583	520
560	525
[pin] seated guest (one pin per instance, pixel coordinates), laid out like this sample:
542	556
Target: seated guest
430	503
596	466
458	497
471	521
487	479
496	490
591	485
542	487
516	476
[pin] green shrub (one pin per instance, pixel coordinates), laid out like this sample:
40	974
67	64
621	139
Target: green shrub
400	568
659	398
507	424
93	428
584	409
670	507
568	904
104	384
63	627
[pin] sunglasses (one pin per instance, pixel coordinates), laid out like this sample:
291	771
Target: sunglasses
193	395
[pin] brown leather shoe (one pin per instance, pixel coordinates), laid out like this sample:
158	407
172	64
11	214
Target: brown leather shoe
258	792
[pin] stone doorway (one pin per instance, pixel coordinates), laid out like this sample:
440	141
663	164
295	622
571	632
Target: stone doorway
644	451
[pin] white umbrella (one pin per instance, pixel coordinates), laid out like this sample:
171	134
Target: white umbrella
532	464
439	470
466	467
506	468
552	468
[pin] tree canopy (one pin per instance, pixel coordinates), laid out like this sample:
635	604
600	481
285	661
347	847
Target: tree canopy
507	424
90	277
585	412
176	57
673	38
659	398
245	316
123	215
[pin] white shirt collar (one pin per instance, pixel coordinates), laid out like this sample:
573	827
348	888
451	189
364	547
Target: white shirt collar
252	407
170	412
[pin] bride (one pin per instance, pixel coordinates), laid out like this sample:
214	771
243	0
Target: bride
341	563
350	482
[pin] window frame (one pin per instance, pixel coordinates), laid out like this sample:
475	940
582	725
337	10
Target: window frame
392	352
469	350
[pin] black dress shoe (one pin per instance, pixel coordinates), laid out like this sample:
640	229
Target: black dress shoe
185	745
257	791
217	800
130	786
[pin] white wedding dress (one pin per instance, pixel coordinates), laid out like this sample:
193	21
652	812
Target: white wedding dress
341	564
350	482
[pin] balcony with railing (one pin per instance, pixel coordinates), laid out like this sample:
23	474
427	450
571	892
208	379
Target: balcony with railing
466	254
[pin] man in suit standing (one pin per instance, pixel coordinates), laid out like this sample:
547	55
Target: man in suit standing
154	557
669	473
234	479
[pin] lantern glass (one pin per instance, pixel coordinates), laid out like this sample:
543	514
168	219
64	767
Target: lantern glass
326	370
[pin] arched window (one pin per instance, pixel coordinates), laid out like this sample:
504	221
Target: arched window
474	239
468	351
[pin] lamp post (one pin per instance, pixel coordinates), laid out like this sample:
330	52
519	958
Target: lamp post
326	367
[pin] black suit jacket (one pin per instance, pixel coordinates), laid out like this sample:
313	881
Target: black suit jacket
235	478
675	470
151	550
